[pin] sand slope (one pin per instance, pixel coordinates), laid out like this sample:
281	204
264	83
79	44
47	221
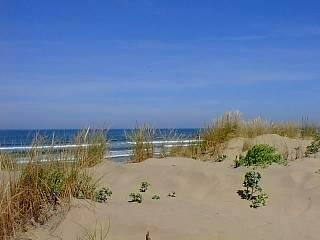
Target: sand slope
206	207
289	148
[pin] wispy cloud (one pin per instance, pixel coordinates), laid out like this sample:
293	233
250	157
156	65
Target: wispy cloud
244	37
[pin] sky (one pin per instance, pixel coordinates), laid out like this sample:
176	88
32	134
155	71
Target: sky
70	64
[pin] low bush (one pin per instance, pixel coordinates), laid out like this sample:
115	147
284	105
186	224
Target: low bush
172	194
253	191
136	197
314	147
259	201
260	155
251	183
102	195
156	197
144	186
84	186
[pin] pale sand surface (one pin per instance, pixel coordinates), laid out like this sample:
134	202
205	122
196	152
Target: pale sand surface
207	205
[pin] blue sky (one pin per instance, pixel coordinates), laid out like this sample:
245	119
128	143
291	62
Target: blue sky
67	64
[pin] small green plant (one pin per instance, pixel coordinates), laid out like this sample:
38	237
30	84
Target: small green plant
260	155
251	183
314	147
259	201
103	194
144	186
253	191
55	180
156	197
136	197
85	187
172	194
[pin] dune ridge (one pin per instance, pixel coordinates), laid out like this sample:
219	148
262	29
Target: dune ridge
206	206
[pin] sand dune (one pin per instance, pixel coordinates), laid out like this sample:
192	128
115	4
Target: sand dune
206	207
292	149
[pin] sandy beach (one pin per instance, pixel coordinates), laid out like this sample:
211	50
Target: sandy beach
206	205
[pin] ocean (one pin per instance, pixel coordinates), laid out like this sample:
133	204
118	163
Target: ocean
119	147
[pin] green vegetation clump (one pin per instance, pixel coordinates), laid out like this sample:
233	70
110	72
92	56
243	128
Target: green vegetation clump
144	186
156	197
55	181
259	201
260	155
84	186
253	191
314	147
102	195
172	194
136	197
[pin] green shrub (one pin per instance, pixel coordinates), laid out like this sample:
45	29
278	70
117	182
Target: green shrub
85	187
251	183
136	197
314	147
144	186
259	201
55	181
103	194
172	194
253	191
156	197
260	155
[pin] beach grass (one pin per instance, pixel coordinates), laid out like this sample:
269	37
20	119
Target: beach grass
31	192
141	139
100	232
176	145
230	125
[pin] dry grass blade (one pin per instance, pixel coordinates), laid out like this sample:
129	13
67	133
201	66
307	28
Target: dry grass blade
31	192
99	233
141	139
231	125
